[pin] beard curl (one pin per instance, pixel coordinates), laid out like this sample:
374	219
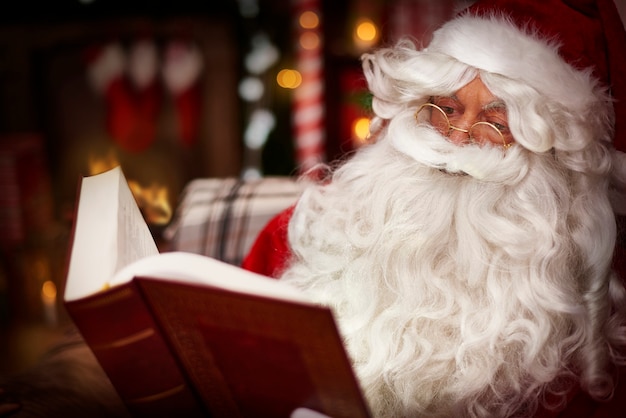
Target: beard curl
457	295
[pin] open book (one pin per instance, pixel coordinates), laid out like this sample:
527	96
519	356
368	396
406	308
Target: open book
181	334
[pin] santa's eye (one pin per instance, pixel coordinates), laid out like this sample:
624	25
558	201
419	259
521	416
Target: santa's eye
450	106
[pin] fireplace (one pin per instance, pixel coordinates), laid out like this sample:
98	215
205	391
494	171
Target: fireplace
141	128
69	130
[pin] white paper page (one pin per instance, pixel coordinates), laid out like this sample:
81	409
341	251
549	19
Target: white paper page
135	241
107	215
94	248
198	269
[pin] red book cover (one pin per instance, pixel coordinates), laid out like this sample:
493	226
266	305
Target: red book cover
181	334
254	356
123	336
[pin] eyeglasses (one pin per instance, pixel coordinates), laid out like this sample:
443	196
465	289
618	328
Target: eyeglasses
480	132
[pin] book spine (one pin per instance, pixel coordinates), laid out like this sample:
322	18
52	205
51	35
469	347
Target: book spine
118	327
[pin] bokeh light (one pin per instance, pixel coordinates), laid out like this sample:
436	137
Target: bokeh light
309	20
49	290
289	79
366	30
361	129
309	40
366	34
251	89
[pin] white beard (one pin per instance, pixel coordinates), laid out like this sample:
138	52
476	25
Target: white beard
457	295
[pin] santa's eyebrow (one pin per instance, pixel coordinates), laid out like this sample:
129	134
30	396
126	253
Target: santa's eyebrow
496	104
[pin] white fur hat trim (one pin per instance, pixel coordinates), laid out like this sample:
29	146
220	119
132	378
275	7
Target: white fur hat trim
495	44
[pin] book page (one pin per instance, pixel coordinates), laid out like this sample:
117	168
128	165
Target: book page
201	270
135	240
109	233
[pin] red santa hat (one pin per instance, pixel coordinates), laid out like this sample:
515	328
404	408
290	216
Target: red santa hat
559	47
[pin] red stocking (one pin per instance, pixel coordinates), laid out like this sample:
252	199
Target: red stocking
146	95
181	72
132	103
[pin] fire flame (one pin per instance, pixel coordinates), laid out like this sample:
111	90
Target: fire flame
98	164
152	200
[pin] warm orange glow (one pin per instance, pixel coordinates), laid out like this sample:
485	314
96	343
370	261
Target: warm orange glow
48	290
309	20
153	201
366	31
99	164
309	40
366	34
49	301
361	129
288	79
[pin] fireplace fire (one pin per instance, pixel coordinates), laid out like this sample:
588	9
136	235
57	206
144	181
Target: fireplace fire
153	200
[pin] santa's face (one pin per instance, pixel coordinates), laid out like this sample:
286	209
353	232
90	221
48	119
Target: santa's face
473	115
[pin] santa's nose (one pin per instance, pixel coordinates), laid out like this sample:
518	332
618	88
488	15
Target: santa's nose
458	135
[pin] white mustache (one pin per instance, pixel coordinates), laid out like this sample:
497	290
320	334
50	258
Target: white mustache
427	146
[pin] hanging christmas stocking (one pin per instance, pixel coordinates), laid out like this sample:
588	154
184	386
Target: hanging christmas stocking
143	63
181	74
133	98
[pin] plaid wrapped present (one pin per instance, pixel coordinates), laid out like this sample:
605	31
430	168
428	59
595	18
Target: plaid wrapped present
221	217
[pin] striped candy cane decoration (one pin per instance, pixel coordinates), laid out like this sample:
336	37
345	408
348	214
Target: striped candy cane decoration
308	104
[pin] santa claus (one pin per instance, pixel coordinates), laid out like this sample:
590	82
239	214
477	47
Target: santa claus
467	252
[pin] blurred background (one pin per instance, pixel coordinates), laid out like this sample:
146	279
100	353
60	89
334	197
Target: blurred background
171	91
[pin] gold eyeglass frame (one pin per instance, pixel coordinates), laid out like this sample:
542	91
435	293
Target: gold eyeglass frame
451	127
